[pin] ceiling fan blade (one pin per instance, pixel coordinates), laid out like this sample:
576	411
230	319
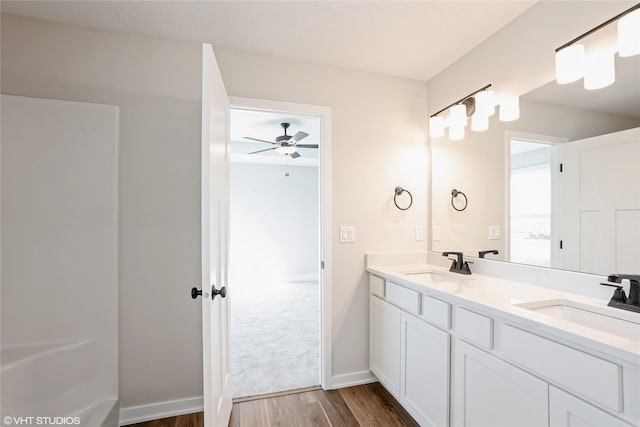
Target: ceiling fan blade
258	140
294	155
307	145
298	136
260	151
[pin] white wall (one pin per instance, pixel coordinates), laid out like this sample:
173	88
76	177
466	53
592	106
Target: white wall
379	142
156	85
274	223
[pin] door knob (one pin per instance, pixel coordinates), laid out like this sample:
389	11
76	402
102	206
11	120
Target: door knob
195	293
222	291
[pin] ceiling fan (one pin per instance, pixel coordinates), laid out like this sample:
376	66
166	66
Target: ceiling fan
285	144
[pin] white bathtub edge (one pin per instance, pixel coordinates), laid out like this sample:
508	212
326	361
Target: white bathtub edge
158	410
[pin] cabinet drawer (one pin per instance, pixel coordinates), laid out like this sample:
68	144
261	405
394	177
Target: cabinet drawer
406	299
474	327
586	375
436	311
376	285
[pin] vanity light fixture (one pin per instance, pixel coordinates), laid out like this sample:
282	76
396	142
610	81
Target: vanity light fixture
570	64
479	122
456	133
599	70
510	109
436	126
485	104
574	62
629	33
458	116
478	105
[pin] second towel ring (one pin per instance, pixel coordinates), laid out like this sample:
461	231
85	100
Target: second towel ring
398	191
454	194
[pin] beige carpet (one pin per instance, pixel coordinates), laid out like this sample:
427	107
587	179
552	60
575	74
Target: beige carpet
275	337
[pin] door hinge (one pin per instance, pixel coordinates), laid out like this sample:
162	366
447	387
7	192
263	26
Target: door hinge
561	168
322	265
560	244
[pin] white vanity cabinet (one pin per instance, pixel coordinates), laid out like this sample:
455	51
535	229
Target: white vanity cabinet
490	392
424	367
450	362
384	344
409	356
566	410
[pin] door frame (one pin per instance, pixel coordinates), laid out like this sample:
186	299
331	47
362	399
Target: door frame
536	138
326	236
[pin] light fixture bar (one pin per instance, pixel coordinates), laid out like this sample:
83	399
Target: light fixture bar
594	29
462	99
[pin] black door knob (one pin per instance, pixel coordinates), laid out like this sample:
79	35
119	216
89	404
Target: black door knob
195	293
222	292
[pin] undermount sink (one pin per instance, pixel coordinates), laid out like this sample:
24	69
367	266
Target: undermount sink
430	276
622	324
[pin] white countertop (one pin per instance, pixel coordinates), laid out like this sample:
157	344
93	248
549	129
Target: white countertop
497	297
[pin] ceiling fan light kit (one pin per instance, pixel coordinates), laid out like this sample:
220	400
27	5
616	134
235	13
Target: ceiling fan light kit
286	145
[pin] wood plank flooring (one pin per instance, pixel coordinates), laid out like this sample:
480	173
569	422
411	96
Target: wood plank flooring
368	405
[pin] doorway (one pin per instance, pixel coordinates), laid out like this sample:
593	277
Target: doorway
276	250
532	162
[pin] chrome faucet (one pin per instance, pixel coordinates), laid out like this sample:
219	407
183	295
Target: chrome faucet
458	265
619	299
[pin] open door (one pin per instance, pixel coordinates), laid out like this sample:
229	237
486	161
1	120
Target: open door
215	243
600	189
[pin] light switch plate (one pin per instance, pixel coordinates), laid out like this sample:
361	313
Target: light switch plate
436	233
419	233
347	234
494	232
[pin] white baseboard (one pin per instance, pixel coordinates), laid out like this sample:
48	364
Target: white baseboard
172	408
155	411
352	379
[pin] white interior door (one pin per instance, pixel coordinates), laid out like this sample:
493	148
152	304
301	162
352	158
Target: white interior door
600	193
215	243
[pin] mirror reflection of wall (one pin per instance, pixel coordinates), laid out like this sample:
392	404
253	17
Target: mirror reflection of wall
510	174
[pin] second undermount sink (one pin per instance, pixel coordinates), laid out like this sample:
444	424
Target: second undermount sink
622	324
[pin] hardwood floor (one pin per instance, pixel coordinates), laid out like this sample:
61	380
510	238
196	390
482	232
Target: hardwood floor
368	405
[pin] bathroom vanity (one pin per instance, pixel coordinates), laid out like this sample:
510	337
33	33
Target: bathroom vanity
483	351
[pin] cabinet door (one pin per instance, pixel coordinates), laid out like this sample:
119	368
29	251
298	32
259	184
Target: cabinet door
489	392
384	344
568	411
424	382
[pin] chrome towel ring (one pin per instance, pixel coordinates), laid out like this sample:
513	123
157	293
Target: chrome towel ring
398	191
454	194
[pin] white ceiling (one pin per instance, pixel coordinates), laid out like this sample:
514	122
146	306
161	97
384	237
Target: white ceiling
412	39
